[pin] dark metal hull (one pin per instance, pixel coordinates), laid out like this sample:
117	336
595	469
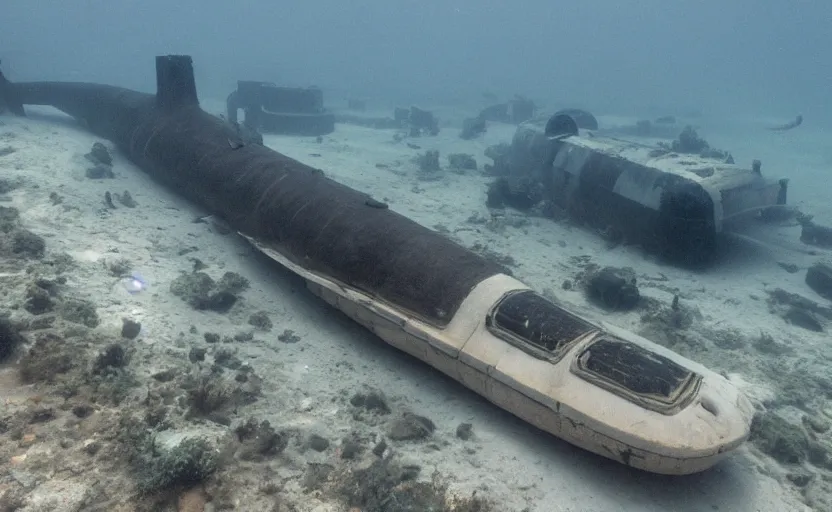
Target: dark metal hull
320	224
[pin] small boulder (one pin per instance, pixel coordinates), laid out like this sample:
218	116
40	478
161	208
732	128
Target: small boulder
614	288
411	427
819	279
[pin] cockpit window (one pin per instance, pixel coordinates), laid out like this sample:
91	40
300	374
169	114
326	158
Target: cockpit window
637	374
536	325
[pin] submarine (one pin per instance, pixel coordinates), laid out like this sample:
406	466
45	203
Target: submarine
589	383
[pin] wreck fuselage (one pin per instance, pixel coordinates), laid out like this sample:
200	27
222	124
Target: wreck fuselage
673	204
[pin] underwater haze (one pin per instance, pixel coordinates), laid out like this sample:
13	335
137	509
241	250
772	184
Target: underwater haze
756	58
506	256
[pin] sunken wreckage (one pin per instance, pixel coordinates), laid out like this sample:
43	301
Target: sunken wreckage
675	205
592	384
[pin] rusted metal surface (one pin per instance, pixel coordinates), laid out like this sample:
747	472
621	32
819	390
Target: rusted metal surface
314	221
673	203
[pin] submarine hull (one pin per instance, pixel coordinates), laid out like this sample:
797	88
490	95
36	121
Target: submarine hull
595	386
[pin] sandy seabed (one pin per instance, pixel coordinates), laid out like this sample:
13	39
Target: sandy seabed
273	401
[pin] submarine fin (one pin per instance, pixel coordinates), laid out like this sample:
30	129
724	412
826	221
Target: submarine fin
175	84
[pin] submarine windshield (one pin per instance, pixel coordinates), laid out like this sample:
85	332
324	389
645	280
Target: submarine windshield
544	330
537	326
637	374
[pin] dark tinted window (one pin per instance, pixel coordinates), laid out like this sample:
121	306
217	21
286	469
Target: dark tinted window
530	318
629	369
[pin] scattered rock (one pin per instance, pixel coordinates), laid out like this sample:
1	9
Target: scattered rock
417	121
7	186
111	358
38	300
207	395
803	318
244	336
728	339
780	297
188	463
798	310
785	442
372	401
465	431
9	217
318	443
212	395
259	440
201	292
500	154
126	199
666	324
22	243
165	375
196	354
99	154
108	200
472	127
227	359
800	478
10	338
316	475
816	424
462	161
80	312
46	360
791	268
119	268
350	448
767	345
614	288
380	448
386	481
41	323
519	192
82	410
12	498
820	454
814	234
233	283
411	427
41	415
428	161
130	329
819	278
288	336
261	321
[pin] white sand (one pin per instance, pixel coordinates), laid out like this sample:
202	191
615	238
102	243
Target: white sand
507	460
